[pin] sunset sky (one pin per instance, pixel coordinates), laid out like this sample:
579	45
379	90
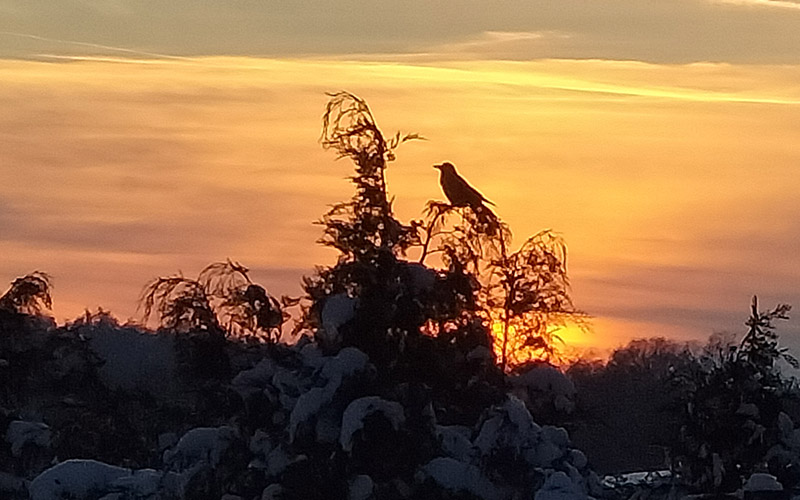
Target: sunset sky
660	138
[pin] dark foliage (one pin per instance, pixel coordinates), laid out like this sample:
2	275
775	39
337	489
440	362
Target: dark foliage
628	409
182	304
530	288
30	294
525	292
365	225
221	301
732	401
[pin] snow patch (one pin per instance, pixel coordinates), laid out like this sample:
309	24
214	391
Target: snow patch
256	378
272	492
346	363
763	482
307	405
578	459
558	486
277	461
200	445
75	479
338	310
748	410
508	426
546	380
359	409
21	433
457	477
455	443
142	483
361	487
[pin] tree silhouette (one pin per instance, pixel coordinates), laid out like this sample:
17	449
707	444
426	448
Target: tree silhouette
222	300
759	347
365	225
395	300
30	294
732	401
529	291
182	304
244	307
525	292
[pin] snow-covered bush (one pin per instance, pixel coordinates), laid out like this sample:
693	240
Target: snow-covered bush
200	445
455	476
21	434
333	372
337	310
353	419
91	480
510	455
544	389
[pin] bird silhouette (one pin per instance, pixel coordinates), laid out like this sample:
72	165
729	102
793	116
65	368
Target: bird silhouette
458	190
461	194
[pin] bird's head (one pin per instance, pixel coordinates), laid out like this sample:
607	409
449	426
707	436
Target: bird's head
445	166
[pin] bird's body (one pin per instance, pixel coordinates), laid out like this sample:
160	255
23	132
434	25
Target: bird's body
458	190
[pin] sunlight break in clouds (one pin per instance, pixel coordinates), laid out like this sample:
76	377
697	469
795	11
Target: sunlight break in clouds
673	185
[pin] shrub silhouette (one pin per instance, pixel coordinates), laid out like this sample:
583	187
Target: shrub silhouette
30	294
732	401
221	301
525	292
183	305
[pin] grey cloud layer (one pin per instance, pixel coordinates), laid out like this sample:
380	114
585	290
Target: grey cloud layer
680	31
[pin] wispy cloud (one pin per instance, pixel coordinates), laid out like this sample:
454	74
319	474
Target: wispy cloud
493	39
498	45
774	4
96	46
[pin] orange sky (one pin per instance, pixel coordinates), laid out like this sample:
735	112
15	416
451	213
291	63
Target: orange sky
674	185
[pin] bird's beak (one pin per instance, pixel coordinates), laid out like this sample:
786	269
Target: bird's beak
437	167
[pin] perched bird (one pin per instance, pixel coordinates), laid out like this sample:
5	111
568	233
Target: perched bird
461	194
457	190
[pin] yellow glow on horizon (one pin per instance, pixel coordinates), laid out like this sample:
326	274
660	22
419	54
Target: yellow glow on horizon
569	342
